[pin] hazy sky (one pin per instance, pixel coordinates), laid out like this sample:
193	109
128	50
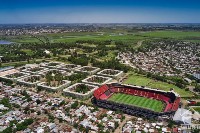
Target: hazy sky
99	11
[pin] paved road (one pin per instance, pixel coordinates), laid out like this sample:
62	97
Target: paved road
139	43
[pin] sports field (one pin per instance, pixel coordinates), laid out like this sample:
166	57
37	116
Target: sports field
143	102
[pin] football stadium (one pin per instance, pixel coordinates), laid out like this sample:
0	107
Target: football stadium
137	100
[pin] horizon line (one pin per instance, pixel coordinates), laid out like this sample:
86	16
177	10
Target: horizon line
108	23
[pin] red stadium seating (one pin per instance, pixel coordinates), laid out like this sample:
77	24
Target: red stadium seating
176	104
100	91
104	97
168	107
164	98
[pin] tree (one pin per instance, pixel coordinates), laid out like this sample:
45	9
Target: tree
27	96
74	105
16	105
7	130
24	125
60	120
51	117
26	109
38	101
49	77
197	88
38	112
59	78
75	125
116	124
5	102
49	103
62	103
195	131
171	123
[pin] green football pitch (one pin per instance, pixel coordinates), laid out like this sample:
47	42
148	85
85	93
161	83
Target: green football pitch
138	101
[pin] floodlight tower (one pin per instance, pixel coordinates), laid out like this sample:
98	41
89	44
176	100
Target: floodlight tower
1	58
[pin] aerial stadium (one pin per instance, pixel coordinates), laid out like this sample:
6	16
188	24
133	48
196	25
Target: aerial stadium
137	100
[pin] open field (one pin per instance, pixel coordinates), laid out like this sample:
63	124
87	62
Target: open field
109	55
27	51
74	36
143	102
137	80
196	109
167	86
182	35
131	37
141	80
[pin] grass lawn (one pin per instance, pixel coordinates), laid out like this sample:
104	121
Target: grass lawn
191	36
143	102
74	36
167	86
140	80
109	56
131	38
172	34
196	109
88	45
27	51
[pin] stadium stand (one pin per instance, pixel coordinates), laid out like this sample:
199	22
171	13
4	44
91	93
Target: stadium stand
170	99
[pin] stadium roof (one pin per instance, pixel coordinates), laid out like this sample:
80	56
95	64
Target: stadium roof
183	116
